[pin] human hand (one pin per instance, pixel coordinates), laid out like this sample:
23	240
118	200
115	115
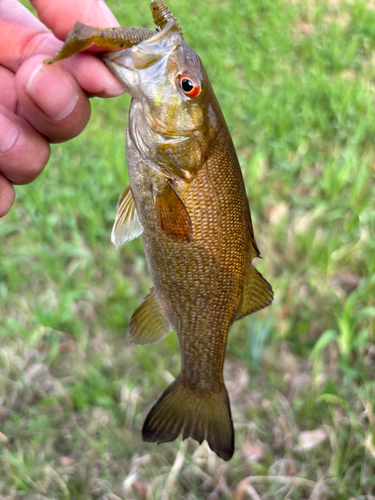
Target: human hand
42	104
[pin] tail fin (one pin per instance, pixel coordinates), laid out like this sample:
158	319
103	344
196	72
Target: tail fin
202	417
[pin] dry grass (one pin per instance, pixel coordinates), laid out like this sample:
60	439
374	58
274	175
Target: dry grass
295	83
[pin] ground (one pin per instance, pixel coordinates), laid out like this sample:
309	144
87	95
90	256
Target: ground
295	80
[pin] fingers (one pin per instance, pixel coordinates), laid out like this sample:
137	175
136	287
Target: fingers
61	16
51	99
7	196
44	103
22	36
93	76
8	89
23	152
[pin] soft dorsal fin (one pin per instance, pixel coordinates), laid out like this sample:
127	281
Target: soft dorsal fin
171	214
148	324
257	293
126	226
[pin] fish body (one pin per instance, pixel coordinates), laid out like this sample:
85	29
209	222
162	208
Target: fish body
188	201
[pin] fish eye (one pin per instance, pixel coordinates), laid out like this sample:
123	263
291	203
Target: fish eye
190	85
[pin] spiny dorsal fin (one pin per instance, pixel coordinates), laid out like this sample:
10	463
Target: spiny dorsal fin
257	293
126	226
148	324
252	237
171	214
201	417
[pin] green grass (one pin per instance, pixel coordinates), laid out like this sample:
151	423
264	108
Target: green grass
295	80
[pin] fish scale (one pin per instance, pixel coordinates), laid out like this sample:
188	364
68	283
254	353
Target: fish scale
200	309
187	199
198	284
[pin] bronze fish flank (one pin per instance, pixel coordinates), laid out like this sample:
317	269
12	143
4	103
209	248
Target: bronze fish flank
187	199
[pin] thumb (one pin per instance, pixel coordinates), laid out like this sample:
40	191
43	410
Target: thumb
51	99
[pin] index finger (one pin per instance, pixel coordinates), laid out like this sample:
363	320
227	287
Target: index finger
61	16
22	35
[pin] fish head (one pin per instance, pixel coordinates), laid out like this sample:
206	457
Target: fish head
173	116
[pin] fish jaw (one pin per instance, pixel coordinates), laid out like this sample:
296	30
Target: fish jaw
144	63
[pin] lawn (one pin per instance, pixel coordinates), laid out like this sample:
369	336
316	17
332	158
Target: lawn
295	80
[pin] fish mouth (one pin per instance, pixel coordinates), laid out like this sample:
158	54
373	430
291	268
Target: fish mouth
126	63
160	35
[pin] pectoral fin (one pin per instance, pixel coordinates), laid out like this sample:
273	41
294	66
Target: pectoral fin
171	214
126	226
148	324
257	293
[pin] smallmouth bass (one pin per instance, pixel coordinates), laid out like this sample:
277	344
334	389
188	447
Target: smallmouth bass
187	199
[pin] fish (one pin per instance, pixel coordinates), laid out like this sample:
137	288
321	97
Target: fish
187	200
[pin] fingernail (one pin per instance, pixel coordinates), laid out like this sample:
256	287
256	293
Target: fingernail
106	11
8	133
50	88
114	90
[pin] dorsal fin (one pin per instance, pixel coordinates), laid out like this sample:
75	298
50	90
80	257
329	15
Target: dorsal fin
252	237
126	226
257	293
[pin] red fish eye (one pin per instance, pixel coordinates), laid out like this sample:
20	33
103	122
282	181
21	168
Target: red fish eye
190	85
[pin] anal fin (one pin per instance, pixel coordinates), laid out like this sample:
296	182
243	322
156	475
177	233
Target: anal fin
126	226
171	214
257	293
148	324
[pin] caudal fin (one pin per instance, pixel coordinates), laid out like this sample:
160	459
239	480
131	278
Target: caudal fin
180	410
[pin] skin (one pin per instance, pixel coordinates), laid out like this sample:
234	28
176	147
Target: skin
211	188
181	161
187	198
42	104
